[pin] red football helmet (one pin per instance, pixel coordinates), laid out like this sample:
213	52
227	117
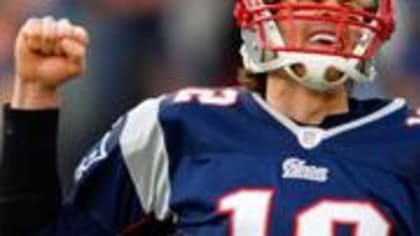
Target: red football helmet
270	31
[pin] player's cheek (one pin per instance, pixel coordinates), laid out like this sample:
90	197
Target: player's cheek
294	32
352	36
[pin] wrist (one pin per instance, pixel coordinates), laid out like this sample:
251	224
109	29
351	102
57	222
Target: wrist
30	95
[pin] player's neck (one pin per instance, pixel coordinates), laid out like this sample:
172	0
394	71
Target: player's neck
304	105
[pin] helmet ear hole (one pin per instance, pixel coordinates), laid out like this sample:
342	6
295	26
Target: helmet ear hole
332	74
299	69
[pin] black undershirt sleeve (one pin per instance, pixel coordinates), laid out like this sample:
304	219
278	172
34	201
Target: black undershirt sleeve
30	192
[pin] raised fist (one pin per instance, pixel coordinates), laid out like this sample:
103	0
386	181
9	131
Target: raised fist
48	52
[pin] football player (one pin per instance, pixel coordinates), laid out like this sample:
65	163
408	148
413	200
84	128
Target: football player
293	154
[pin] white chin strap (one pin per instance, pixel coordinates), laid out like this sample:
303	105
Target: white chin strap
258	60
316	67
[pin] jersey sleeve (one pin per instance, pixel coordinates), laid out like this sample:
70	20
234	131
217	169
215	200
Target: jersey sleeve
122	182
145	154
103	201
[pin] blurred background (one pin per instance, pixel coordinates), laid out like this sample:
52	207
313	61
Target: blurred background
142	48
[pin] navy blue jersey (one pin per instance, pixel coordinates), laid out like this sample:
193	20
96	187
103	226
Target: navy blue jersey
222	162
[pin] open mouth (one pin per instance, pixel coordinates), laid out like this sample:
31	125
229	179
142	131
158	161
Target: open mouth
325	40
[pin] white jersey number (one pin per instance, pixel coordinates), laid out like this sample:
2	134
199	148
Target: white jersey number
217	97
249	215
414	120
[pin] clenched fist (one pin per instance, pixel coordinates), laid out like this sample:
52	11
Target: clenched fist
48	52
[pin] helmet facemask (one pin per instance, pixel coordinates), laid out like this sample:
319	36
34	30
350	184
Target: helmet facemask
338	40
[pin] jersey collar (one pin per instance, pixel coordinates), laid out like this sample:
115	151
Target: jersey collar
310	137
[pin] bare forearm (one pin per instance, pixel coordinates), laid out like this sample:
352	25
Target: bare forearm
34	96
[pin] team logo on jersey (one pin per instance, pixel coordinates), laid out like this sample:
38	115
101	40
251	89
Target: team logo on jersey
96	155
295	168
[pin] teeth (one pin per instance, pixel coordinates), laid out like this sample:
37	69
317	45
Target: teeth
323	38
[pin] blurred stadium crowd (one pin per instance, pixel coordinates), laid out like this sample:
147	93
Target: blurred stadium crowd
142	48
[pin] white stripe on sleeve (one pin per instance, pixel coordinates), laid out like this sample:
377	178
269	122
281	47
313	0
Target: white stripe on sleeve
143	147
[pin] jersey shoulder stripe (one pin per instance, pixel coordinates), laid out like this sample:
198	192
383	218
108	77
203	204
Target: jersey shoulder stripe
144	151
